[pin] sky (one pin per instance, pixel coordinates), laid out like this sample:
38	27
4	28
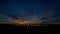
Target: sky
43	10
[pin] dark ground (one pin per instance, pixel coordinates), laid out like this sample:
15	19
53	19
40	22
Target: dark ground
14	28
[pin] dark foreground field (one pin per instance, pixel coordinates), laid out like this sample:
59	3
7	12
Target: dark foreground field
42	28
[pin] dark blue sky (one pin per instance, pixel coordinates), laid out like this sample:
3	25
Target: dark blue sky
44	9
